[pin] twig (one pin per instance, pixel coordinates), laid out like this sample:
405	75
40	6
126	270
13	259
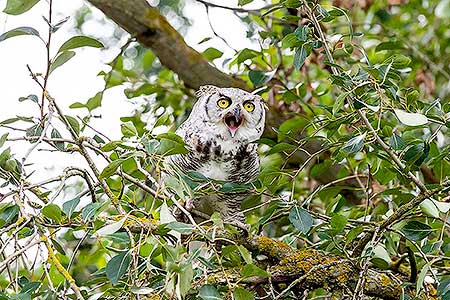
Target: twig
18	253
47	45
256	11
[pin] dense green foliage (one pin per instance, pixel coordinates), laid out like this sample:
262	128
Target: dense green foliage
355	162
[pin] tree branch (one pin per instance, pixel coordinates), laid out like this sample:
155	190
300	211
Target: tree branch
152	30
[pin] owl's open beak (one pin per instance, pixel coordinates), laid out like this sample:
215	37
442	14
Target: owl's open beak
233	120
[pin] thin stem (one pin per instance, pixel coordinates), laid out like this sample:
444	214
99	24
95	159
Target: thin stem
47	72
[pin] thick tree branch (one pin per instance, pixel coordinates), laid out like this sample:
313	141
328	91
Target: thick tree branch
152	30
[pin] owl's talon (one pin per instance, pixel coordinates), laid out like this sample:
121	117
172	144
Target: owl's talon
189	205
238	224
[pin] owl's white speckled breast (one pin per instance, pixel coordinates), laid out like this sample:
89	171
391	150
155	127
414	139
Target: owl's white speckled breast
215	170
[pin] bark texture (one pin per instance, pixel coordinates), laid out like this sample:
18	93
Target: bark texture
152	30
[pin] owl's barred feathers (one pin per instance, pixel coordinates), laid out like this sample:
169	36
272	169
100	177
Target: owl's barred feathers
219	137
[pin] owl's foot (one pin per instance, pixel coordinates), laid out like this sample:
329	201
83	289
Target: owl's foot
189	205
238	224
181	215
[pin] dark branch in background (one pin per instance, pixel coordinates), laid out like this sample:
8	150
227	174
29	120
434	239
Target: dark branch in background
256	11
152	30
47	45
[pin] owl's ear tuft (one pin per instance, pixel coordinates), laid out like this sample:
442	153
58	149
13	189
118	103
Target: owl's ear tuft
206	89
262	100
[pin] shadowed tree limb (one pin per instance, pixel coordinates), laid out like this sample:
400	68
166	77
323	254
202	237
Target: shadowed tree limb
152	30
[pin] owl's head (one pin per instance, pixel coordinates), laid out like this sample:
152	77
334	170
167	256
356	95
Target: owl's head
235	113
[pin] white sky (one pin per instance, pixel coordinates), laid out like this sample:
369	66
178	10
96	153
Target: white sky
77	80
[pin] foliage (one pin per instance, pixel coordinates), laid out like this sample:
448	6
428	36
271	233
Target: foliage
354	165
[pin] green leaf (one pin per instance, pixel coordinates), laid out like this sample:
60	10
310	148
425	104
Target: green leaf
58	247
30	287
302	33
35	131
339	102
18	31
117	266
443	287
416	154
58	145
89	211
443	207
396	142
128	129
110	228
338	223
144	89
259	78
246	54
4	156
231	187
244	2
300	57
398	61
428	207
290	41
421	278
185	279
212	53
60	23
204	40
410	119
3	139
68	207
94	102
9	214
360	104
281	147
21	296
61	59
290	126
170	144
33	98
110	169
389	46
381	257
110	146
252	270
301	219
242	294
17	7
209	292
355	144
246	255
80	41
53	212
73	123
182	228
416	231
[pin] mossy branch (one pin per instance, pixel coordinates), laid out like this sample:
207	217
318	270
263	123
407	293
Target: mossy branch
310	269
52	258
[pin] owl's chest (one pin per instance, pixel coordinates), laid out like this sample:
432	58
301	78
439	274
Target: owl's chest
217	170
222	160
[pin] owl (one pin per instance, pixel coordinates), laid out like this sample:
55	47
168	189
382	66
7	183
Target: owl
219	134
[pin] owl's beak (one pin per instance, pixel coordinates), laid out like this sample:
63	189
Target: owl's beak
233	120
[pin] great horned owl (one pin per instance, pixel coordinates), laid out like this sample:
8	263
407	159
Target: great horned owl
219	134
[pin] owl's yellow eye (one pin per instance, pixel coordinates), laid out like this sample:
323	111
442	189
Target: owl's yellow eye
249	106
223	103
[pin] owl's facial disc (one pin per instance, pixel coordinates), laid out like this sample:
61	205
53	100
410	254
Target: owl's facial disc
233	120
